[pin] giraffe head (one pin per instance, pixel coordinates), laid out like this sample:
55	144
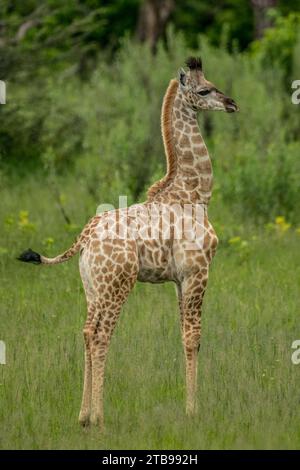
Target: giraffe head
198	93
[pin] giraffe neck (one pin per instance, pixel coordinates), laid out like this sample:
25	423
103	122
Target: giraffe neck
189	170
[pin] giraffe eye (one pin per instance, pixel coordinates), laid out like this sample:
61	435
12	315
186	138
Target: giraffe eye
203	92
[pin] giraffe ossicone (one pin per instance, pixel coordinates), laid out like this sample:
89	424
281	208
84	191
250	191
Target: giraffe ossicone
152	251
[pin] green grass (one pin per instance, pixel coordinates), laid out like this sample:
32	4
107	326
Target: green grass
248	388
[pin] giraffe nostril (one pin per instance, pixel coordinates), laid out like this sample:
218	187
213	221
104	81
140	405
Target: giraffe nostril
229	101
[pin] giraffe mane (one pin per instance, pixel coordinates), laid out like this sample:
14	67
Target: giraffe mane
168	140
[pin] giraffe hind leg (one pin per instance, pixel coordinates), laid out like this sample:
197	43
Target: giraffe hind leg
85	410
101	330
107	279
86	403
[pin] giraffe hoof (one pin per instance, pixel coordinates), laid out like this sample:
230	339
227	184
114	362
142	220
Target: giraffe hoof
84	421
96	420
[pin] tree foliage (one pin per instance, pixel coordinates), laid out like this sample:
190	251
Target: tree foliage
38	36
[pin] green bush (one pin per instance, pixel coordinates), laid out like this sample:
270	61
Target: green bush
278	46
104	133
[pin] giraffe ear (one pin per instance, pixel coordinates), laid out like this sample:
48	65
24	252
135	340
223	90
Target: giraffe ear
182	78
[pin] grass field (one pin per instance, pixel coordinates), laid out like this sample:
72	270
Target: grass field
248	387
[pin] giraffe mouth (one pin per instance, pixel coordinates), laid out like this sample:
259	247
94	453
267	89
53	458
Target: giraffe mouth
231	106
231	109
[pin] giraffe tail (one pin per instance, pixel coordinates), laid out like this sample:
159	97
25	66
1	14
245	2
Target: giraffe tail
30	256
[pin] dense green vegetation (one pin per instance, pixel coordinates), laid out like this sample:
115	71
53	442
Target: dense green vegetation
105	132
37	34
111	117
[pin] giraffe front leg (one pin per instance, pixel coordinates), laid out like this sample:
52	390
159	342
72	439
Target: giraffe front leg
193	290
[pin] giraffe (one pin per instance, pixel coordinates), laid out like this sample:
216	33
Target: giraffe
113	258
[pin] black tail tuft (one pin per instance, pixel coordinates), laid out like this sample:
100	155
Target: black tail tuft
30	256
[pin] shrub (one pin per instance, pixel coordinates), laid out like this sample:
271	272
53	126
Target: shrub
105	132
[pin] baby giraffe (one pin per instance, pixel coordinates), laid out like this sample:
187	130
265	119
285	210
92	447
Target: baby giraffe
146	242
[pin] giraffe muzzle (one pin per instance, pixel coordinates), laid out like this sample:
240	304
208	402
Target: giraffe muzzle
230	105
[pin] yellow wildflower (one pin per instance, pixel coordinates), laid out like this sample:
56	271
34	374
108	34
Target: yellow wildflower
280	220
48	242
24	221
281	224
